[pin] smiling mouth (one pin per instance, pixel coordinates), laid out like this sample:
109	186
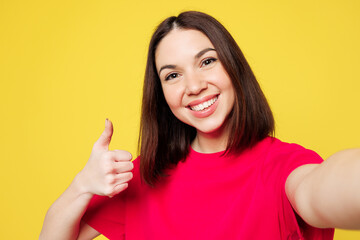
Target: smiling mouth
204	105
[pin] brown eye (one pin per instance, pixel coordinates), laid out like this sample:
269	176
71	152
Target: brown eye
171	76
208	61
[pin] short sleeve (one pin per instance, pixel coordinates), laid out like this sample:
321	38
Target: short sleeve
296	157
292	225
107	215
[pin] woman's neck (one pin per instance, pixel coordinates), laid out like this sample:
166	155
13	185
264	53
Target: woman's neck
211	142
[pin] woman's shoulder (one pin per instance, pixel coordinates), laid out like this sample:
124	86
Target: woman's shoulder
279	147
287	156
280	158
272	147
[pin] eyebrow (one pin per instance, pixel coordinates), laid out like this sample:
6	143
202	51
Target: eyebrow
198	55
167	66
202	52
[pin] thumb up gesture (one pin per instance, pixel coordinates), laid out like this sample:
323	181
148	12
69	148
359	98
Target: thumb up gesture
107	172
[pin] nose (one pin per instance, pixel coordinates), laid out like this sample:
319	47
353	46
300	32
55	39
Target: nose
195	84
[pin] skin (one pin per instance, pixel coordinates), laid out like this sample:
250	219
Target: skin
324	195
190	72
106	173
327	195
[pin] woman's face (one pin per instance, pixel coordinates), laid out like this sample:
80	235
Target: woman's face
196	86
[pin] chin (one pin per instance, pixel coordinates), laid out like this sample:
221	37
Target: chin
210	129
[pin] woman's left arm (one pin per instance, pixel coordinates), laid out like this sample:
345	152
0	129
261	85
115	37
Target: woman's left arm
328	194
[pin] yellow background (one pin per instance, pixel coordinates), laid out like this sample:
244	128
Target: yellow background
67	65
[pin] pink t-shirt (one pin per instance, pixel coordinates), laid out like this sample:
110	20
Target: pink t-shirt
210	196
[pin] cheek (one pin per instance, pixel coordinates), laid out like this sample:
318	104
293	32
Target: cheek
172	96
227	86
231	97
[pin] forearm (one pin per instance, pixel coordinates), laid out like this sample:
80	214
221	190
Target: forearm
332	190
106	173
62	220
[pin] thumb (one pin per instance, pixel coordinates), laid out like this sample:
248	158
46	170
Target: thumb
105	138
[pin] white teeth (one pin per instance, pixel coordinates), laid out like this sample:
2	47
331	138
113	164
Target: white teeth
204	105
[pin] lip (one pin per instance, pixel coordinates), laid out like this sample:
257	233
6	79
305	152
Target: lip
202	100
208	111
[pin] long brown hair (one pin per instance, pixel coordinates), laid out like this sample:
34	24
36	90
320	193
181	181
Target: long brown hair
164	140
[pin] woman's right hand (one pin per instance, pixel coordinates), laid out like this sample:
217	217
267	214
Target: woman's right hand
106	173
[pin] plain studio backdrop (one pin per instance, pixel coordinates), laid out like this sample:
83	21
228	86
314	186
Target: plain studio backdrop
65	66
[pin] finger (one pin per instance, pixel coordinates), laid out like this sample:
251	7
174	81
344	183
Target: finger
118	189
123	177
122	155
112	161
105	138
121	167
116	156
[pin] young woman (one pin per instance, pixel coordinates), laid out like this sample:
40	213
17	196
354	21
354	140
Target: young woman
209	168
